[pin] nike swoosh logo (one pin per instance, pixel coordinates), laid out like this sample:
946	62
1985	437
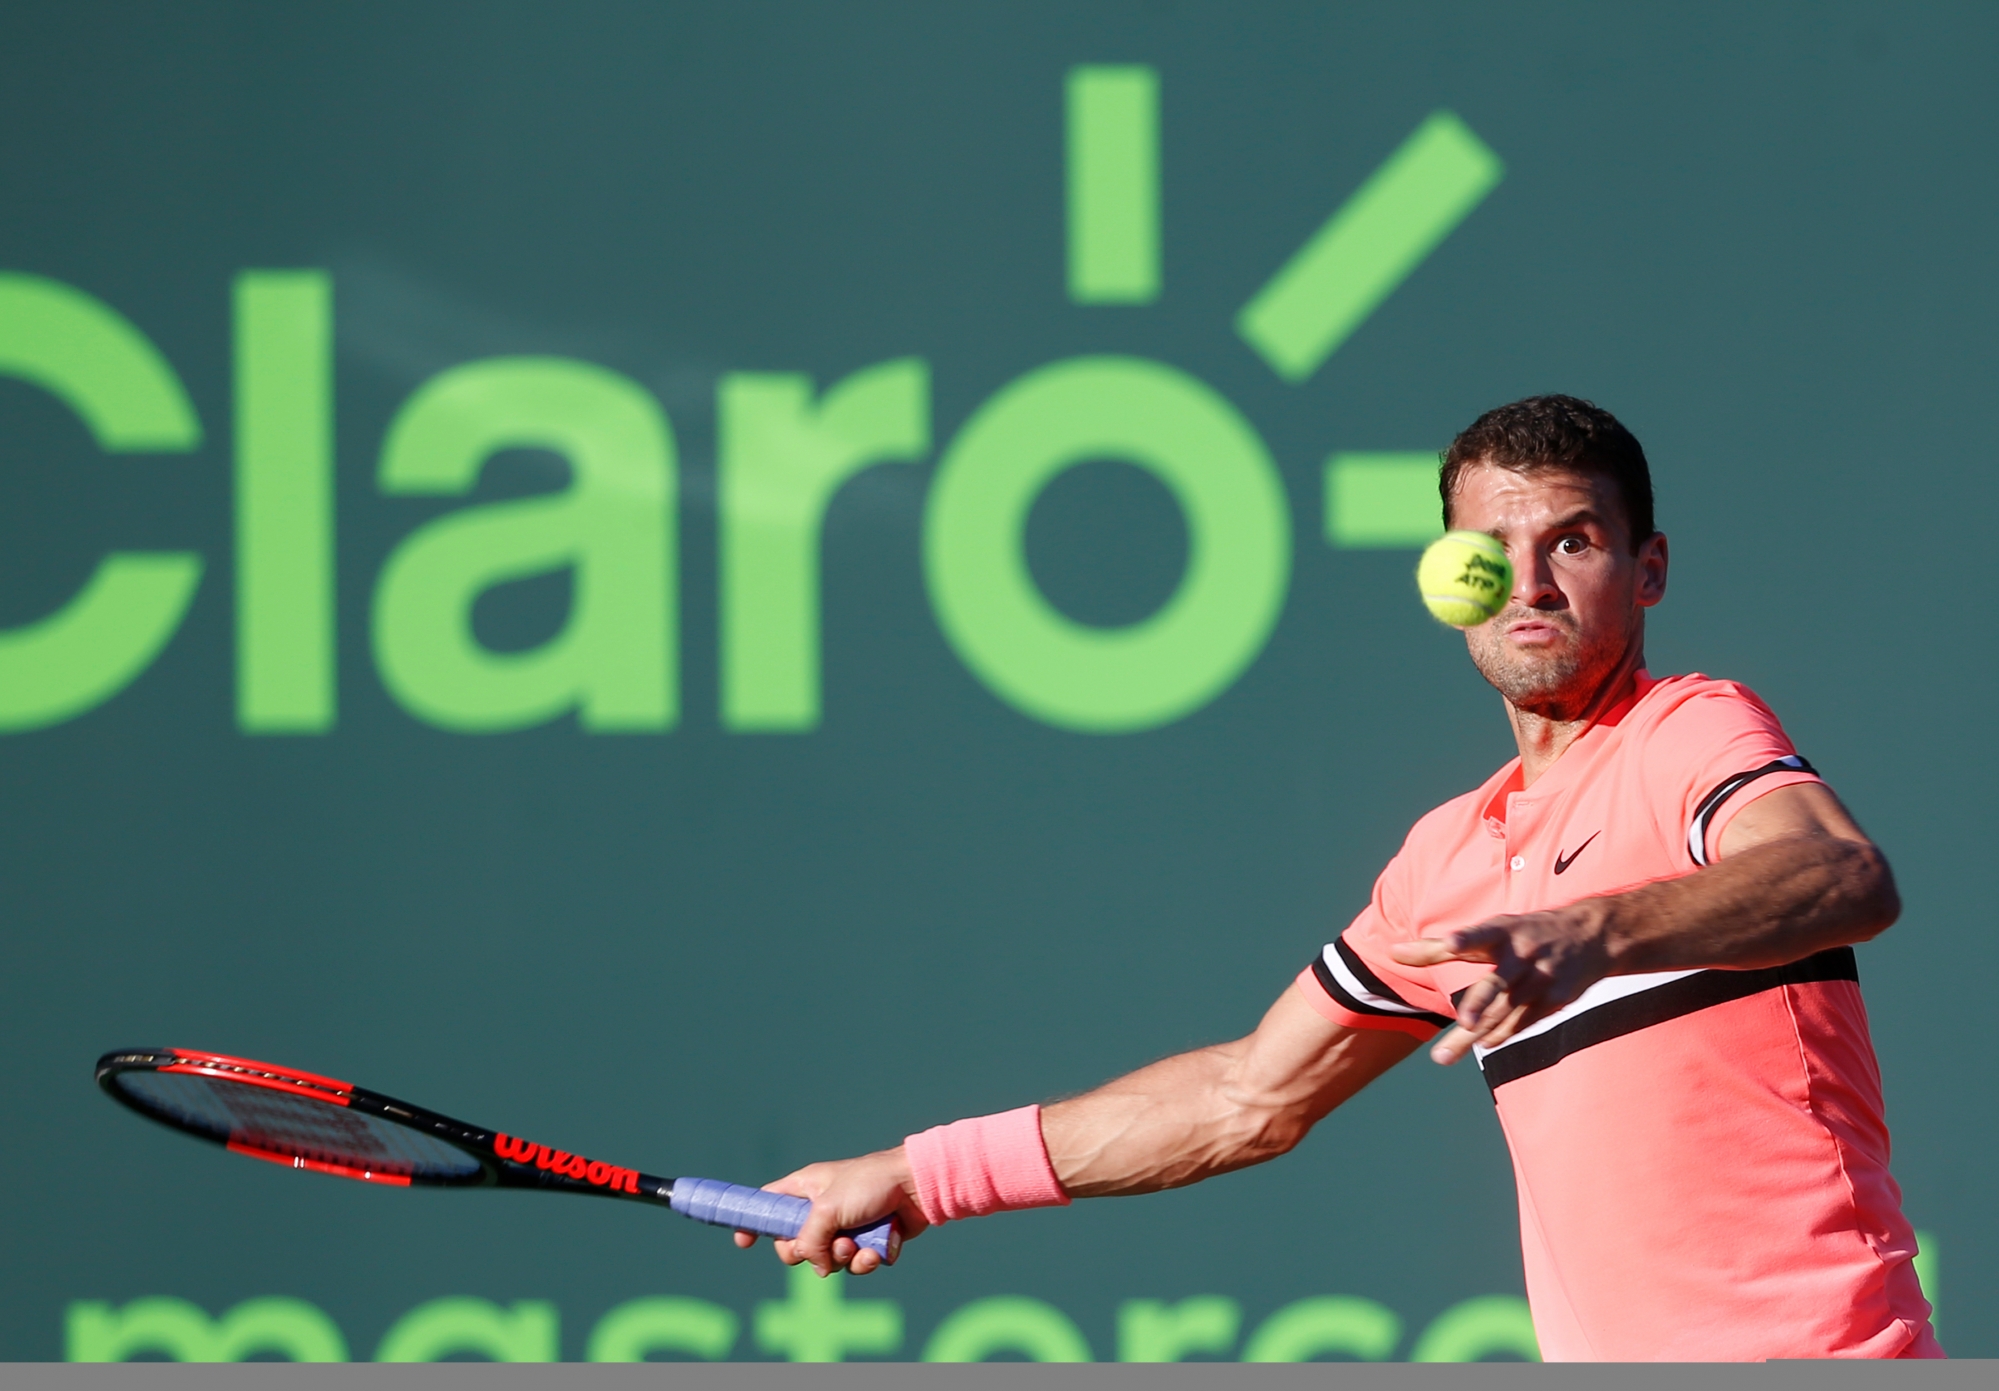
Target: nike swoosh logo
1563	862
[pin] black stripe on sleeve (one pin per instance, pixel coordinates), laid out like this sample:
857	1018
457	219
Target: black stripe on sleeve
1687	995
1369	981
1704	814
1376	985
1342	996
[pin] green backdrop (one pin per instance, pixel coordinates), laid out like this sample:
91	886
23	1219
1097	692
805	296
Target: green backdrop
872	628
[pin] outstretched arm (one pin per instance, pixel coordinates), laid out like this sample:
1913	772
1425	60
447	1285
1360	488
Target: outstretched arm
1172	1123
1796	876
1203	1113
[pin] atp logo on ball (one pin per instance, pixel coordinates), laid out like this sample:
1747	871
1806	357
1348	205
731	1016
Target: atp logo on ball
1464	578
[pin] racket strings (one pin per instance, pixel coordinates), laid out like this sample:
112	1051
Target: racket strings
282	1123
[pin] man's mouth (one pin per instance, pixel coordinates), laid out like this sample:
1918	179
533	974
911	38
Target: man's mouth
1534	632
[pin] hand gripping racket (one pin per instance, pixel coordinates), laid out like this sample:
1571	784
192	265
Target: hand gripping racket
311	1122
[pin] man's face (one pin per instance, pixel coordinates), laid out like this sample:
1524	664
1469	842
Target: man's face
1579	594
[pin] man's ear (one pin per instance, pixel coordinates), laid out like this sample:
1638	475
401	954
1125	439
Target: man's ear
1652	569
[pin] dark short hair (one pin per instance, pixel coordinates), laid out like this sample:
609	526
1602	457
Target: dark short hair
1556	432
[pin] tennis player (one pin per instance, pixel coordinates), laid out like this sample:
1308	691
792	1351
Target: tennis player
1642	928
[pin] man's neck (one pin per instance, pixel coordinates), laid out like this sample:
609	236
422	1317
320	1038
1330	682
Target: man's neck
1544	737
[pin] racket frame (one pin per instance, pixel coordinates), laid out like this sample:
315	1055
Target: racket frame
528	1165
503	1161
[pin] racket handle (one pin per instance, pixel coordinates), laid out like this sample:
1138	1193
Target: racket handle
768	1214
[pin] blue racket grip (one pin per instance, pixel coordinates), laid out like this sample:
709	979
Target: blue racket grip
768	1214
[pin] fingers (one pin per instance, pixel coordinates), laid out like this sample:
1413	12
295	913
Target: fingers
1486	942
1478	997
1541	962
1490	1009
840	1253
846	1256
1513	1021
844	1253
1427	951
1493	1010
1489	1032
847	1196
818	1241
1452	1046
1523	992
1511	986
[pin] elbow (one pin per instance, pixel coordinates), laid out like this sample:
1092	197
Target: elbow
1278	1134
1880	901
1266	1129
1257	1128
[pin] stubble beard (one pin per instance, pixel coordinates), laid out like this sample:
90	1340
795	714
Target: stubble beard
1556	685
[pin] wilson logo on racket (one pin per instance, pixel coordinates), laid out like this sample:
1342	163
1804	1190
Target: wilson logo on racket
599	1175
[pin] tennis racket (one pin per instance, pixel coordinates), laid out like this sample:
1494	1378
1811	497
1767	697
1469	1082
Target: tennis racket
305	1121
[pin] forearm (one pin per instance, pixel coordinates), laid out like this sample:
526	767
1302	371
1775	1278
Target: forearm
1190	1117
1770	904
1172	1123
1163	1126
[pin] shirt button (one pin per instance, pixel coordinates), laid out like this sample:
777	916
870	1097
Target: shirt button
1519	863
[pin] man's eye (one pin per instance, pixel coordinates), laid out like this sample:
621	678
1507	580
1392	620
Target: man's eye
1572	545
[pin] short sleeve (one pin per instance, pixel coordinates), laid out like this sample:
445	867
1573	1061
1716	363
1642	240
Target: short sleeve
1355	982
1711	755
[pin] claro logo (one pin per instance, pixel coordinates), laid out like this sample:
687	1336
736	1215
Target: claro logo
597	1175
784	447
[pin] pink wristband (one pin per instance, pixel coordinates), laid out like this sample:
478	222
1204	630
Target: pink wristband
986	1164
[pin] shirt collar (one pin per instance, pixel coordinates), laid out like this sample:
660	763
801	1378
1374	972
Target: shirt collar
1510	779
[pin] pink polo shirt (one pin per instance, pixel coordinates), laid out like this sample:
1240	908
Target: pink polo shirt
1700	1156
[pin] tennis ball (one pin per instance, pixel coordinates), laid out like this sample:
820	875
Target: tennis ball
1464	578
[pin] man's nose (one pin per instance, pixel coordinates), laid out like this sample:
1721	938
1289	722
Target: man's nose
1534	584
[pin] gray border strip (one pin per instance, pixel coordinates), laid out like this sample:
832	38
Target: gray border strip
997	1376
